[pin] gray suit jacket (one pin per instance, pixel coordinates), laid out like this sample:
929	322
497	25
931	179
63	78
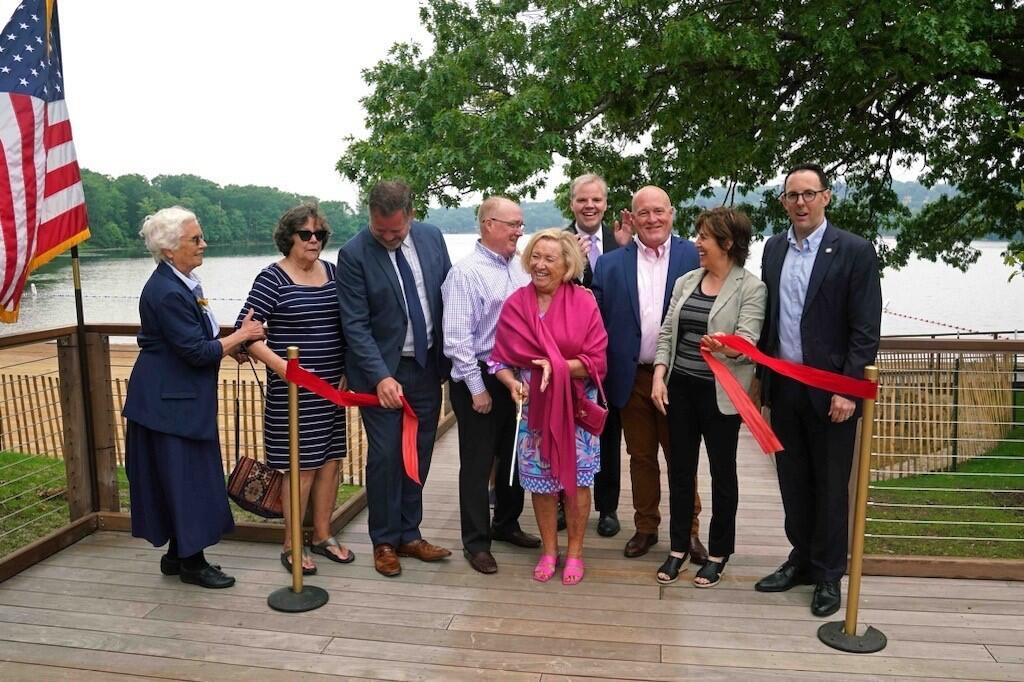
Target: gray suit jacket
738	309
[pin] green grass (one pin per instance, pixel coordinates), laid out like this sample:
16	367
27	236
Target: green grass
987	474
32	501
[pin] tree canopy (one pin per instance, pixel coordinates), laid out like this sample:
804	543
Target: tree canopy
232	214
695	95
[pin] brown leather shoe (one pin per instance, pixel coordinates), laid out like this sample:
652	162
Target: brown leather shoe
481	561
386	561
698	553
423	550
639	544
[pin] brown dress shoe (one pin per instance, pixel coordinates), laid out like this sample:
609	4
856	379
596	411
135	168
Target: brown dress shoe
386	561
423	550
698	553
481	561
639	544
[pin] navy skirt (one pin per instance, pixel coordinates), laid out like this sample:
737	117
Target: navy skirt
177	489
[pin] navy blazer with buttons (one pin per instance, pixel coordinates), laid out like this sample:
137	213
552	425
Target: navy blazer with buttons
372	304
615	287
173	385
841	321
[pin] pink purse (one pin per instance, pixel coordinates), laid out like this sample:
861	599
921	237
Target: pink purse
589	415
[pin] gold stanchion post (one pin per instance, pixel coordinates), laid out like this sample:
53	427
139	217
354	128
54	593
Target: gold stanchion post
842	635
297	598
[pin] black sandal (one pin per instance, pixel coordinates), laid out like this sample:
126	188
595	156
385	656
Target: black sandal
324	549
672	566
710	571
286	561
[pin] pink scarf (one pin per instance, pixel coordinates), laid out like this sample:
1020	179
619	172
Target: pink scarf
571	329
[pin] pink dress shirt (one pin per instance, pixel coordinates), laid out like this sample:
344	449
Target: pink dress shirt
651	280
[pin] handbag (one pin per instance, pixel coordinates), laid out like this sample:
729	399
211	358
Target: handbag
590	415
253	485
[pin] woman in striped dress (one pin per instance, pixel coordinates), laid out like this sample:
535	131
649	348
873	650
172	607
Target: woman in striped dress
296	298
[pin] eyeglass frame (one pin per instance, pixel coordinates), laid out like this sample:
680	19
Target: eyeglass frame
514	224
797	196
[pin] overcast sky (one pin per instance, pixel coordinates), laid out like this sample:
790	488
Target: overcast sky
239	92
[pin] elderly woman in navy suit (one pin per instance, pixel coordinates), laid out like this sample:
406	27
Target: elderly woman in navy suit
172	452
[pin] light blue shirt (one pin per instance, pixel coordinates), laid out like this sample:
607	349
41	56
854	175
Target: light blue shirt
796	274
193	283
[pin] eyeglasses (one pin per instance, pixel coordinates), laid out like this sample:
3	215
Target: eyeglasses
514	224
197	239
807	195
321	235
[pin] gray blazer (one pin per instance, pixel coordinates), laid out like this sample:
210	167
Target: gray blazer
738	309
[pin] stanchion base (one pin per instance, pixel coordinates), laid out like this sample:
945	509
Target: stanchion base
284	599
834	634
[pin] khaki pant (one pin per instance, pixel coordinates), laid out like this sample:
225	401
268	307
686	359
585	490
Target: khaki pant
645	429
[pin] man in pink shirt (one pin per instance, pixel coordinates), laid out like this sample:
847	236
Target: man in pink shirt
633	286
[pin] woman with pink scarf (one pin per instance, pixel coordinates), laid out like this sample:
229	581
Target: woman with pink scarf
549	348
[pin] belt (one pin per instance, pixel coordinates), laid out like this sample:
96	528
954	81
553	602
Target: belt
647	367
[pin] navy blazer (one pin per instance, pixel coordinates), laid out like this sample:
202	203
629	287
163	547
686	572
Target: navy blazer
173	386
373	314
614	286
609	243
842	315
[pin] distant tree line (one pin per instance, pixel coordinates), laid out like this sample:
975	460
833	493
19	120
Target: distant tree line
232	214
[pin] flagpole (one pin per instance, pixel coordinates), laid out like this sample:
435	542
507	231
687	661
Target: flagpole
83	368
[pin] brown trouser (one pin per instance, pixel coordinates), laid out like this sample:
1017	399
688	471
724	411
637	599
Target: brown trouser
645	428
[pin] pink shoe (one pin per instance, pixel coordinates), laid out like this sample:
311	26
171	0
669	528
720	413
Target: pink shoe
573	571
545	568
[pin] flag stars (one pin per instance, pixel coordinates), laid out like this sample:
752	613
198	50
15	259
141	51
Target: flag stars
29	48
5	69
17	57
22	81
11	36
56	86
35	17
34	72
22	26
39	40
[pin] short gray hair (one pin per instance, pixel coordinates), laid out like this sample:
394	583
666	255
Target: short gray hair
162	230
586	179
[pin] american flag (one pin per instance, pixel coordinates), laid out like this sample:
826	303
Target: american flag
42	206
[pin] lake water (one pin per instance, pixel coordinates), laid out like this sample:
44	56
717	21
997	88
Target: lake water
922	298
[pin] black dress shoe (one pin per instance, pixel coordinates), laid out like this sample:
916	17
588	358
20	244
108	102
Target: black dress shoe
481	561
698	553
827	598
785	577
169	566
608	525
517	538
208	576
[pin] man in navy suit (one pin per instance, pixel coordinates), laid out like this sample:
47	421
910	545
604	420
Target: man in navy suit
824	310
389	293
633	286
588	199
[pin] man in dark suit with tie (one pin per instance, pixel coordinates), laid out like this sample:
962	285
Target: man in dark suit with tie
588	199
389	292
633	286
824	310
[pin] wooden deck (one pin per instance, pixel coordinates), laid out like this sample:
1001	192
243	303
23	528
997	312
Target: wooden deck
100	610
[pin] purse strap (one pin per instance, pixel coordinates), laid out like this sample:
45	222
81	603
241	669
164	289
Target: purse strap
588	363
238	407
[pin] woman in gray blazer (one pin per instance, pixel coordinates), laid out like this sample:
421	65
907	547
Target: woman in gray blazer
720	297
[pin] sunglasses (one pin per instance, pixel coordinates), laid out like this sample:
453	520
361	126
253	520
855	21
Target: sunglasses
321	235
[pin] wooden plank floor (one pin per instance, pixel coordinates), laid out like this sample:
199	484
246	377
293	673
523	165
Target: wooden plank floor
100	610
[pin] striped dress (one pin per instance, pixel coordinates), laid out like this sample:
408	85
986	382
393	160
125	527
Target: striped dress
307	317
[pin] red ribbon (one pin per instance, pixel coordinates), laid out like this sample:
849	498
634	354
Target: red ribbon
810	376
410	424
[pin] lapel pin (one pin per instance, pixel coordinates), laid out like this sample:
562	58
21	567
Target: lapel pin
828	250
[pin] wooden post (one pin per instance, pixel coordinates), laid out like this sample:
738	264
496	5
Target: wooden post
76	448
101	395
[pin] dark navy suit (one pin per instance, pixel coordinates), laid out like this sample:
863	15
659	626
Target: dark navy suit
172	452
839	332
374	320
615	286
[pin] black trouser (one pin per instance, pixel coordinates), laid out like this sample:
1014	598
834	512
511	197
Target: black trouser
692	413
606	482
814	475
483	440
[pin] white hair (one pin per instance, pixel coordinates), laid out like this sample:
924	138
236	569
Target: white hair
162	230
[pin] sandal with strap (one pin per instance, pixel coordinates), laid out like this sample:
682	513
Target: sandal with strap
323	549
670	569
572	574
711	571
286	561
545	568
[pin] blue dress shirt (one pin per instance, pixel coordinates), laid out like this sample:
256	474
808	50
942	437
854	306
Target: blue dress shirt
796	274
